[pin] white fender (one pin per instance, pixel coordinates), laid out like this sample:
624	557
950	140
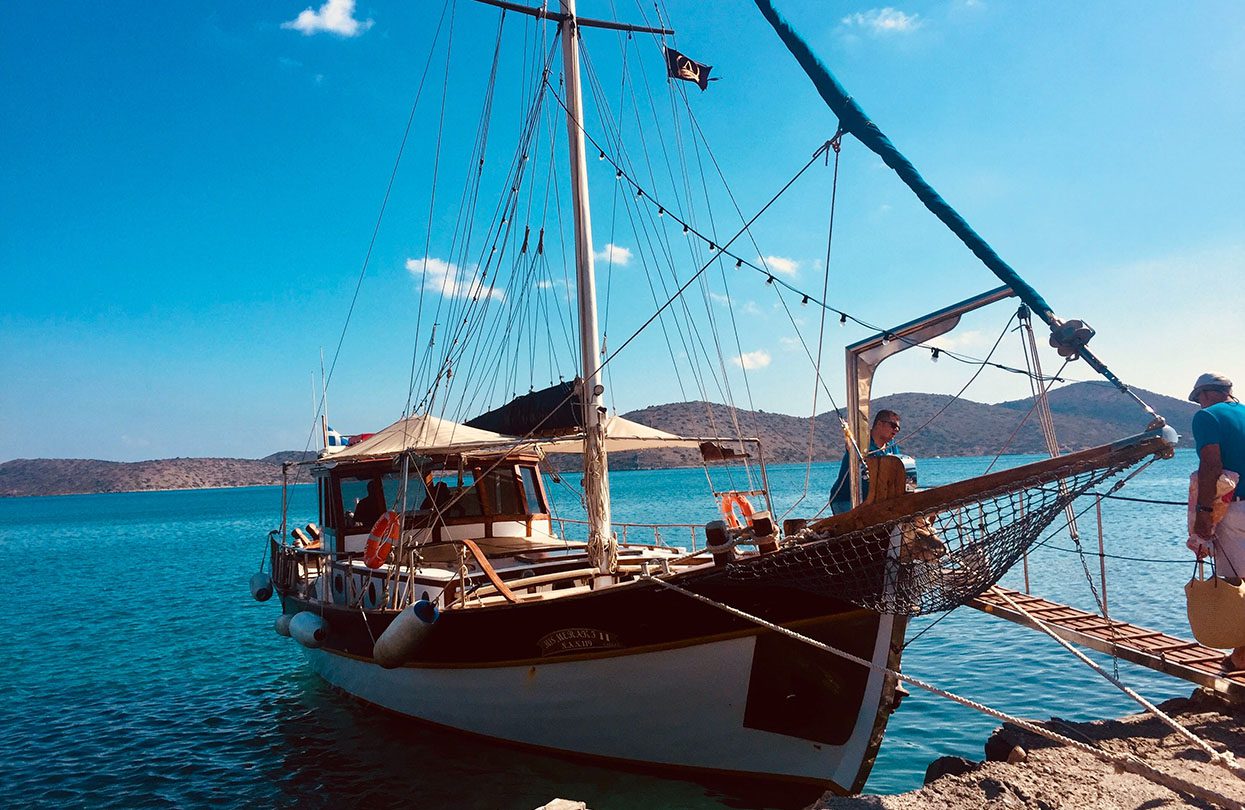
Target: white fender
282	625
398	643
309	629
261	586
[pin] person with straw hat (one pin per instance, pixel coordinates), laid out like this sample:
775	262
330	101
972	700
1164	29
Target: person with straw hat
1219	433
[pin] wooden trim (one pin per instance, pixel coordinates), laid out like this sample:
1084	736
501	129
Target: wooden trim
489	571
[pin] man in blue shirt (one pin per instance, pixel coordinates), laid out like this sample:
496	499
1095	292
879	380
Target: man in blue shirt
881	443
1219	432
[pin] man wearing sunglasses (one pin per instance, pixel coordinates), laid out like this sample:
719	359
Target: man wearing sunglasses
881	443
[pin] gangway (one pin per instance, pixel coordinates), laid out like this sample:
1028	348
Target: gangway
1179	657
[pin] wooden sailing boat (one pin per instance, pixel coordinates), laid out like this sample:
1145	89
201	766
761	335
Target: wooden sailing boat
440	589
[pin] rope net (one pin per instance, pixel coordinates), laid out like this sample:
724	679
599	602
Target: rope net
932	560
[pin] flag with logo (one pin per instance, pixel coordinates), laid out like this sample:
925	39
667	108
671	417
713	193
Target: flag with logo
679	66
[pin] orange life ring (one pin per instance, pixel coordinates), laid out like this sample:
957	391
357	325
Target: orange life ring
731	500
385	532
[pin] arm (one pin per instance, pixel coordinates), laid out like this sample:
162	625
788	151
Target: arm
1208	472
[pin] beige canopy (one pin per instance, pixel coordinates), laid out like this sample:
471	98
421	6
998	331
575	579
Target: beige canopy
424	434
621	435
429	435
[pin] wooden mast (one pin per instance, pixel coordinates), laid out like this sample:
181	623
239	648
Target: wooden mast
602	546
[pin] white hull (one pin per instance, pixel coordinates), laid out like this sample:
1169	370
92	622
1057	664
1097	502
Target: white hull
680	708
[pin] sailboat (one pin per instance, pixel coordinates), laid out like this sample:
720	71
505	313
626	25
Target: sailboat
439	584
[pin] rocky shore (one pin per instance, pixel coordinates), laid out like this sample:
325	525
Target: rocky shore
1023	770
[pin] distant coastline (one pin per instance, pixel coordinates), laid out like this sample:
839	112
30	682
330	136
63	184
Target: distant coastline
1086	414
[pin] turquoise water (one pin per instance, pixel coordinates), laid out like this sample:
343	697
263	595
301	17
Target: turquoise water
141	674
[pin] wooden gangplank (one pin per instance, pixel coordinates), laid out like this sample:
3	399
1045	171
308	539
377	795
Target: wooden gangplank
1174	656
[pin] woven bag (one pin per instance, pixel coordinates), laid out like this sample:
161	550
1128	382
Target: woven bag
1216	609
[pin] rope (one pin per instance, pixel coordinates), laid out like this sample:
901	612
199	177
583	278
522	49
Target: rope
1126	762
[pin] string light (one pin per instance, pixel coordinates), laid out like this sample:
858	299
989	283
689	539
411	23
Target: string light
886	338
805	301
712	247
769	279
639	192
618	174
934	354
661	212
602	155
842	319
685	229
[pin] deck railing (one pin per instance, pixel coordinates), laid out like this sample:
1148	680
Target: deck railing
639	532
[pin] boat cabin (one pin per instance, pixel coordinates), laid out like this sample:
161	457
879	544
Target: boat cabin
498	501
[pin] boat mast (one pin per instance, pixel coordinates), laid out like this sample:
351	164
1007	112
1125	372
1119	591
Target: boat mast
602	547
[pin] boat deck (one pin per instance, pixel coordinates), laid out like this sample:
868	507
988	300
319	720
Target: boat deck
1174	656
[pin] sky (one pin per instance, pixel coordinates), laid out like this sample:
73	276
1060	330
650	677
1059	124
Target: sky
189	193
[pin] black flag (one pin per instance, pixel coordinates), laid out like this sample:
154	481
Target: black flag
679	66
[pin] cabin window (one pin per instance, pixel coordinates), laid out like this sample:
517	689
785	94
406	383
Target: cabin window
531	489
366	497
502	495
453	498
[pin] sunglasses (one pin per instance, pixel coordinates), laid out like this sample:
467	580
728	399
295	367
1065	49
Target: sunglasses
895	425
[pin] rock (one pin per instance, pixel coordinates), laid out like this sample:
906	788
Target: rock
563	804
1002	741
949	766
1030	772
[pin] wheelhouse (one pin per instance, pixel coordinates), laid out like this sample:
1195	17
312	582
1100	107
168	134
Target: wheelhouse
499	501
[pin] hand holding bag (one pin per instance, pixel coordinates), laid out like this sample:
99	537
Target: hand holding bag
1216	609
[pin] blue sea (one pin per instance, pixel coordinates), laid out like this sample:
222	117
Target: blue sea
140	673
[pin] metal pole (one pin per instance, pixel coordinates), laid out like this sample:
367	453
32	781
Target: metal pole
1102	559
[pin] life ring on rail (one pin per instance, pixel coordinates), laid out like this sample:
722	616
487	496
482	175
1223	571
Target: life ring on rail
385	532
730	501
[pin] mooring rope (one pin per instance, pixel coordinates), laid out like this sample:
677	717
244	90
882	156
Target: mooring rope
1126	762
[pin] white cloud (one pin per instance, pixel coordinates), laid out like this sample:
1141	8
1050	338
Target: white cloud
335	16
544	284
883	21
790	344
962	341
448	280
780	265
720	298
614	254
750	360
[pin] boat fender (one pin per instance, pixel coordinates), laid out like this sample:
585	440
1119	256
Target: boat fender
730	501
309	629
261	586
282	625
403	635
719	543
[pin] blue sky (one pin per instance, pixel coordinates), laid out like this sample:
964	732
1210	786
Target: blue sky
189	191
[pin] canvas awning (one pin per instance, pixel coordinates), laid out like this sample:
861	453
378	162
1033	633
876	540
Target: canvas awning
623	434
424	434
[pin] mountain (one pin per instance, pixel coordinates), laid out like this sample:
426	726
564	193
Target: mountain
72	476
1086	414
